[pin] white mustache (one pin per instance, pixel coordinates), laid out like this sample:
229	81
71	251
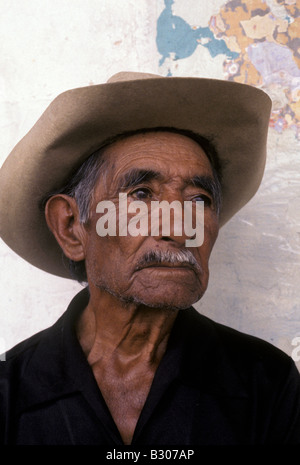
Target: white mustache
168	256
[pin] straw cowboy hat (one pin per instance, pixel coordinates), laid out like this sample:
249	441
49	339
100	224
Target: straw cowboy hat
78	122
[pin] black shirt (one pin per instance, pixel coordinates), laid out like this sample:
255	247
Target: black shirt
214	386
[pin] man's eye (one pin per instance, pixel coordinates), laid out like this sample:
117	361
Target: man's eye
141	193
203	198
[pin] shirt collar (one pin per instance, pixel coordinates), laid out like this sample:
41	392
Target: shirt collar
195	356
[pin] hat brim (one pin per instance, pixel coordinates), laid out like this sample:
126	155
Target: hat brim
78	121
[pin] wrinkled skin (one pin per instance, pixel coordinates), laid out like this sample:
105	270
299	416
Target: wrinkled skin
125	328
176	158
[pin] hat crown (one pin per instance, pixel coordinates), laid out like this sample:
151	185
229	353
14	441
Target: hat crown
131	76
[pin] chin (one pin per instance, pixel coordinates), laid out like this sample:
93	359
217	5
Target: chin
174	302
175	297
175	294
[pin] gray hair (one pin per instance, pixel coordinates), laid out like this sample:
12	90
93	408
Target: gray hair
82	184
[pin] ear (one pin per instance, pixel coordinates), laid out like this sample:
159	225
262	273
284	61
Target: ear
62	217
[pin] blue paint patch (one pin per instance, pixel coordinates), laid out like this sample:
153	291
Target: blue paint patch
175	35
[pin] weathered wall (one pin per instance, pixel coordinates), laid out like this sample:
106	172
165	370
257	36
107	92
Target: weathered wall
50	46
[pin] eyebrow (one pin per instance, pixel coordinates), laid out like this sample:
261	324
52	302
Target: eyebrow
134	177
204	182
208	183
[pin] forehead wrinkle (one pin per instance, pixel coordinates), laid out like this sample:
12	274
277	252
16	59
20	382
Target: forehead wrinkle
141	155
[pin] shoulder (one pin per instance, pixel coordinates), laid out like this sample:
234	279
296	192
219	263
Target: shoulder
46	339
43	352
236	365
12	370
23	349
21	353
249	355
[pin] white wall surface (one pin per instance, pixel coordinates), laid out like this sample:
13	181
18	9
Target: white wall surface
48	46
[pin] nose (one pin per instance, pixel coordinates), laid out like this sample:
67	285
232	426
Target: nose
168	222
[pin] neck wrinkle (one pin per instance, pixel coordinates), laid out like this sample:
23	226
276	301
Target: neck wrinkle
125	333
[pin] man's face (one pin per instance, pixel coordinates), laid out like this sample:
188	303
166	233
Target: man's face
152	166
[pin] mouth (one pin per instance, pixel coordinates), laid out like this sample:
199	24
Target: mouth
168	266
169	260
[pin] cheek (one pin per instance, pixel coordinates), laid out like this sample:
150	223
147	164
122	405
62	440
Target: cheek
110	259
202	254
211	231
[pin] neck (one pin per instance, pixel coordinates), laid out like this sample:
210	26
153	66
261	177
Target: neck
124	344
128	332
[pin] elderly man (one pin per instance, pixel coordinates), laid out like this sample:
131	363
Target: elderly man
130	361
